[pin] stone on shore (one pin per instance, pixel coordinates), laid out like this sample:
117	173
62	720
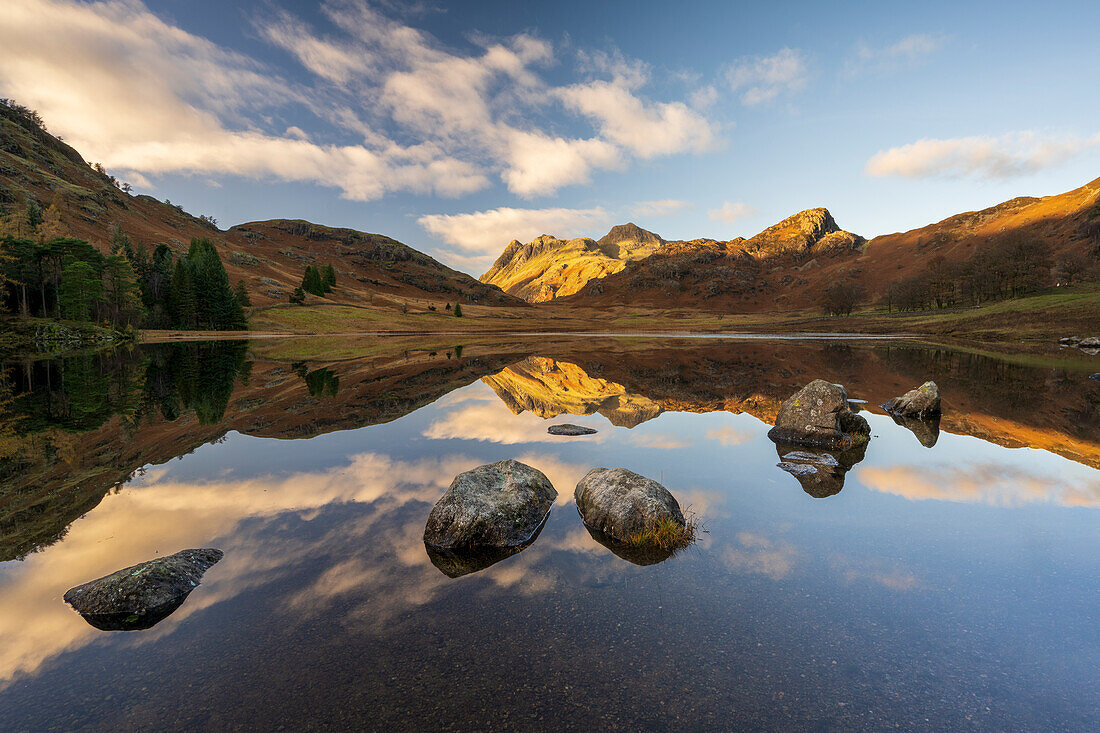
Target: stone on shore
501	504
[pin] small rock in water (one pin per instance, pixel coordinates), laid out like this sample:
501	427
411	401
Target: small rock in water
501	504
922	402
139	596
569	429
1095	376
1092	342
1069	341
622	504
818	415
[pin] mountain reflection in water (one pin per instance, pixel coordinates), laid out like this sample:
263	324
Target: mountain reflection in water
944	581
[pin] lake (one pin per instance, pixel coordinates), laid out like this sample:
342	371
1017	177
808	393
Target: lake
948	578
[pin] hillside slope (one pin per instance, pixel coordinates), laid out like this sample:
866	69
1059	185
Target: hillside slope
786	267
270	256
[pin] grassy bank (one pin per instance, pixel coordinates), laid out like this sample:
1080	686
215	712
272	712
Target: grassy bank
48	337
1047	316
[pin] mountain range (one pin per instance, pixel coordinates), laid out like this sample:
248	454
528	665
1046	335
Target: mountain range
783	268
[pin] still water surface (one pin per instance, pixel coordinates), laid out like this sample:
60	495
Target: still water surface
945	587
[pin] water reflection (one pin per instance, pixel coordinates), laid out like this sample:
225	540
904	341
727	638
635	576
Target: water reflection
920	572
820	472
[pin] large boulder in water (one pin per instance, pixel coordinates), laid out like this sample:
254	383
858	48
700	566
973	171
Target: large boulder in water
625	506
501	504
922	402
141	595
818	415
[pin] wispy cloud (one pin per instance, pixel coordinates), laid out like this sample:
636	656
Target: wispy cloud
483	234
909	50
138	93
763	78
731	211
1010	155
664	207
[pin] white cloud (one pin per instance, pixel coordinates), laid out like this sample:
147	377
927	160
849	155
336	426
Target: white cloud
730	212
1007	156
398	111
136	93
763	78
664	207
648	131
486	233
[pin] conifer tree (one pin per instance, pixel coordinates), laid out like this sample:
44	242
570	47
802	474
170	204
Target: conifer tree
242	295
120	291
182	296
311	281
80	290
458	311
328	278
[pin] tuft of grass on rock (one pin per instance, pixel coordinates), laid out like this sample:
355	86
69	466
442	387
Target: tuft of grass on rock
667	535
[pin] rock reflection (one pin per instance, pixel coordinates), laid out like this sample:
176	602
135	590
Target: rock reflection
926	430
637	554
458	562
820	472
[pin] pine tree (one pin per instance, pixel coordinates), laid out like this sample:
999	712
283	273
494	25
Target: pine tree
298	296
80	290
311	281
121	291
458	311
328	278
182	296
216	305
242	295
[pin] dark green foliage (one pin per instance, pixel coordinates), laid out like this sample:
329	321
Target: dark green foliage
458	311
195	376
34	215
121	292
181	303
216	306
312	283
241	293
328	278
80	290
322	382
298	296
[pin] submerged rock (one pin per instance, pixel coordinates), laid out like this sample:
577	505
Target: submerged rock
922	402
818	415
500	504
568	429
139	596
820	472
623	505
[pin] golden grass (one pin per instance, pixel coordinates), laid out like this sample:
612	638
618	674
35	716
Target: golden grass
667	535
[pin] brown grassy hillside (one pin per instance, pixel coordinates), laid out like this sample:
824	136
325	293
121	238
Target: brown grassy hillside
269	256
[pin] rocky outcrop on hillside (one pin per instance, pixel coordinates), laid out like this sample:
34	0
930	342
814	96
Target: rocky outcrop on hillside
547	267
809	232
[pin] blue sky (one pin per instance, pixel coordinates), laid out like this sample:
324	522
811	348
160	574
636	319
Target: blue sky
457	127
